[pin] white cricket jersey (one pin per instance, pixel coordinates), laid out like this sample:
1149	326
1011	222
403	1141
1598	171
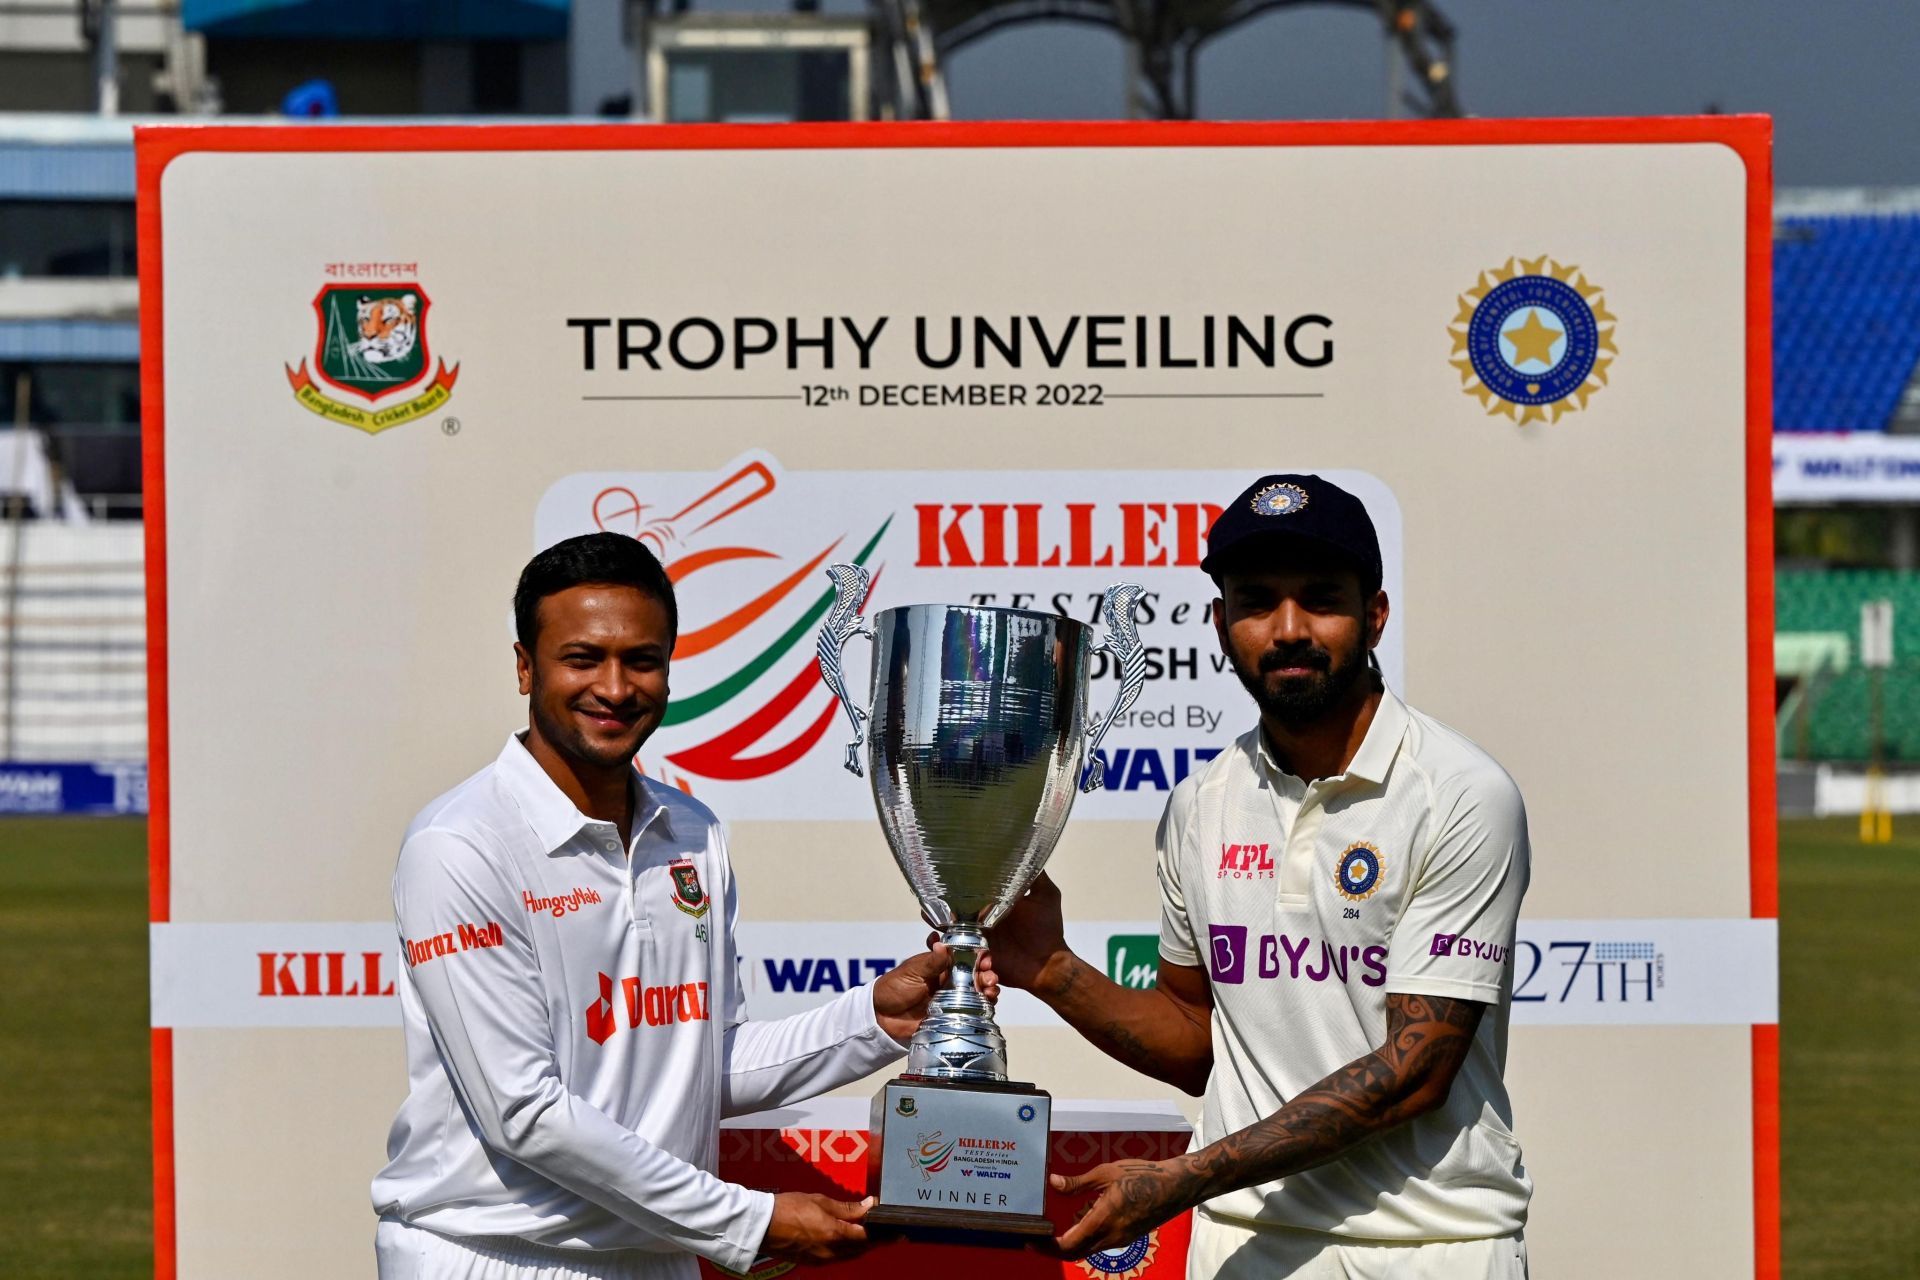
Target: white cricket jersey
1307	904
574	1026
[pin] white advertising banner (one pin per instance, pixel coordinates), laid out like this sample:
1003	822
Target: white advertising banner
1813	468
1007	364
1567	972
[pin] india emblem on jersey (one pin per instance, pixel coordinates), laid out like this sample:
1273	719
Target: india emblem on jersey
1529	338
371	344
688	895
1357	875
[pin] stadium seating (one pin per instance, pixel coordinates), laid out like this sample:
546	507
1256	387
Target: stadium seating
1837	708
1846	320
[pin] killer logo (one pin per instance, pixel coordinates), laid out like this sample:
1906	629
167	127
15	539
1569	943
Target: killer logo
371	343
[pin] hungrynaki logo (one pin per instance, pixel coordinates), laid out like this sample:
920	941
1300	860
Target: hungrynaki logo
560	904
752	729
371	345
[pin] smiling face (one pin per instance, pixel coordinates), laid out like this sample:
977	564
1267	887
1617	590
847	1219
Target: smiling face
1297	628
596	678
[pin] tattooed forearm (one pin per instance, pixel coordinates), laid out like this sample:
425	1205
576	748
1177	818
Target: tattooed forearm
1152	1031
1427	1040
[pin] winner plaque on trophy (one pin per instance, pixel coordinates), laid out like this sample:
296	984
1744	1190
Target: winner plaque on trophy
977	739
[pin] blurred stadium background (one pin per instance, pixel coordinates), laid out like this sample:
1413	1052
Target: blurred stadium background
76	74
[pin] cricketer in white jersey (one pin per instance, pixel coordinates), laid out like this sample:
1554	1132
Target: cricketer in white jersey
1339	892
571	993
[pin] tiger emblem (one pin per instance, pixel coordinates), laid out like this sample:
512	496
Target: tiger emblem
388	327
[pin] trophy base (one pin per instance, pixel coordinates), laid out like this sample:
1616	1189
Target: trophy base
959	1162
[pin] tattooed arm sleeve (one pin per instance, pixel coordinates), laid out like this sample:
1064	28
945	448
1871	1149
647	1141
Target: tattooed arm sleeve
1408	1075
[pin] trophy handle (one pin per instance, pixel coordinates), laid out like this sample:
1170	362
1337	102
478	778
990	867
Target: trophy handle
1122	640
843	623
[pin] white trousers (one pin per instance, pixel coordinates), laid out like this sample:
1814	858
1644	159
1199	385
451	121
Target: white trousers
1229	1251
407	1252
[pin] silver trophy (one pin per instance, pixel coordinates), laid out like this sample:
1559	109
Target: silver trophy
978	739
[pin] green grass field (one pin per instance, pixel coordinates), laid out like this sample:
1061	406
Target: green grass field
76	1185
76	1181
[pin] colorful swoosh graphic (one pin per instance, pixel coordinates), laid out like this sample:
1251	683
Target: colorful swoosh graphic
736	753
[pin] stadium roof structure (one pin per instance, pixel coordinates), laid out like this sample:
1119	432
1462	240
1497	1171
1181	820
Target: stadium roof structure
1846	308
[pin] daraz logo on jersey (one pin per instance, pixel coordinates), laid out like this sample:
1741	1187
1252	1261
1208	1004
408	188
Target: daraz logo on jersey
645	1006
1296	959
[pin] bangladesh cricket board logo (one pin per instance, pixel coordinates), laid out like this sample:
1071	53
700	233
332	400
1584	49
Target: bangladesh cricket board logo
371	344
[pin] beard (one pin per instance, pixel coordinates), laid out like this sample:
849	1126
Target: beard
571	741
1299	701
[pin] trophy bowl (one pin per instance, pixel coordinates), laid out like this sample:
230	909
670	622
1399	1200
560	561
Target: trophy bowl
977	739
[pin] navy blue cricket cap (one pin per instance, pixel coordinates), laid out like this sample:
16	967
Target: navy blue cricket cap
1298	508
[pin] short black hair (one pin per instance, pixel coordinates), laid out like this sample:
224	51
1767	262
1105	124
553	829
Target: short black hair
592	557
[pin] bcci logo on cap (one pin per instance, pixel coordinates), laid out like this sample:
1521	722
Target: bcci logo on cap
1528	340
371	344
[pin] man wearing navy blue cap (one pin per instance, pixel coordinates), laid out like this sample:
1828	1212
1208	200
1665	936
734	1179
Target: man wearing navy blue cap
1338	897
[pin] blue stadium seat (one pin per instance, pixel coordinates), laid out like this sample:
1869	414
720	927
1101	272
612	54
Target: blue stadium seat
1846	320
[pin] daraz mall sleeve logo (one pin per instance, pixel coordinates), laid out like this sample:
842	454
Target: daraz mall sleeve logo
371	344
719	657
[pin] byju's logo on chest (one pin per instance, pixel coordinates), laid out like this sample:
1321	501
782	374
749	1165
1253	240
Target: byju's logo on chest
1294	959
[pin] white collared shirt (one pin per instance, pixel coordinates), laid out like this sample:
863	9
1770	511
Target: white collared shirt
575	1026
1307	904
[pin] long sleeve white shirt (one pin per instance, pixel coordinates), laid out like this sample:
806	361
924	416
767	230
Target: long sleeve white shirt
575	1026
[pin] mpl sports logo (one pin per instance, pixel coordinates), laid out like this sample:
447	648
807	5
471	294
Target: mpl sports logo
371	344
1245	862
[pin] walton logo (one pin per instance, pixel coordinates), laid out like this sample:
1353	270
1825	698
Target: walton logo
559	906
824	973
1244	862
729	656
1227	958
645	1006
372	343
322	973
1459	944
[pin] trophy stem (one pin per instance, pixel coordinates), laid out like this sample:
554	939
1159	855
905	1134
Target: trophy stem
959	1040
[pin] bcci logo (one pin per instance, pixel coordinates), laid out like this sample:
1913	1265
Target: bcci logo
1528	340
1126	1262
1358	874
371	344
